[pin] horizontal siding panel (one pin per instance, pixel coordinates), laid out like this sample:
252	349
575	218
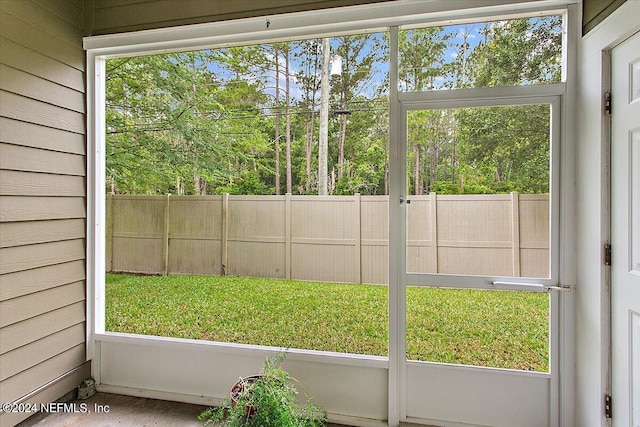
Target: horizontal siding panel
30	110
15	285
23	383
42	200
19	158
61	386
29	233
54	47
119	16
16	183
22	258
18	208
22	308
79	4
65	9
30	355
101	4
23	333
21	83
159	11
36	136
43	20
16	56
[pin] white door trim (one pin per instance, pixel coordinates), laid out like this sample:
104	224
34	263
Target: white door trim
592	337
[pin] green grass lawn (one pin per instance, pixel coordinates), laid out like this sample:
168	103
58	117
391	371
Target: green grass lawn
472	327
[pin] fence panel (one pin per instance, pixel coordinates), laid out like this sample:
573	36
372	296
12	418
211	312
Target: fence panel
323	238
256	236
374	239
195	235
326	238
422	251
137	224
534	235
474	235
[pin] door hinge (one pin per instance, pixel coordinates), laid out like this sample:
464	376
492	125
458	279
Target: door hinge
607	406
607	103
607	254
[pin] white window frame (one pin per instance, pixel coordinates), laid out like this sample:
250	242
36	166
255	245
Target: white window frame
367	18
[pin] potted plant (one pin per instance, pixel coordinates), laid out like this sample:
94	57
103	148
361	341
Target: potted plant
269	399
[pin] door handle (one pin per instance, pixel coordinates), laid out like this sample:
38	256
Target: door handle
531	287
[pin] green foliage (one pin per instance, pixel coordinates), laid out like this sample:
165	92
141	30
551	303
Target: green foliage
268	400
249	183
422	58
169	128
519	51
509	145
481	150
205	122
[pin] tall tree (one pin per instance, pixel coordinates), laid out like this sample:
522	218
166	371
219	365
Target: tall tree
323	144
308	77
287	96
510	145
359	54
276	139
422	67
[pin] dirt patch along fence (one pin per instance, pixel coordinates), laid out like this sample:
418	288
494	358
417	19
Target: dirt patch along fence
326	238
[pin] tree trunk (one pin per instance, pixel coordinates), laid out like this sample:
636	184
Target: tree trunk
324	120
309	148
179	187
277	126
433	166
287	120
343	133
196	184
386	179
417	190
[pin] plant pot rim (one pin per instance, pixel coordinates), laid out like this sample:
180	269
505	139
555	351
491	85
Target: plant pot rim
238	386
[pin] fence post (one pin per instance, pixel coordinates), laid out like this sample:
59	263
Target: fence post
224	234
433	207
165	237
109	234
358	237
515	232
287	236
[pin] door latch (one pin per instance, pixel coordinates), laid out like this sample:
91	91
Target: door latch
607	103
607	406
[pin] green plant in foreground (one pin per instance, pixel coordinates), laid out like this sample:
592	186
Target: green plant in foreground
267	400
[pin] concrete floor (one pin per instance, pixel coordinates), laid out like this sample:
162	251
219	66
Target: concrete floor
125	411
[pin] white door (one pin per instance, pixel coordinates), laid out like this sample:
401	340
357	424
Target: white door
625	233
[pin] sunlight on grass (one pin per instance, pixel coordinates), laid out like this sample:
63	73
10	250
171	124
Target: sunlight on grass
484	328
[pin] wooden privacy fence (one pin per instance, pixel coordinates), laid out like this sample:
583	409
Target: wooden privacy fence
326	238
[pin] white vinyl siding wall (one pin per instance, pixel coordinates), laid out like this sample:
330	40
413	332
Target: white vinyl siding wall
42	201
